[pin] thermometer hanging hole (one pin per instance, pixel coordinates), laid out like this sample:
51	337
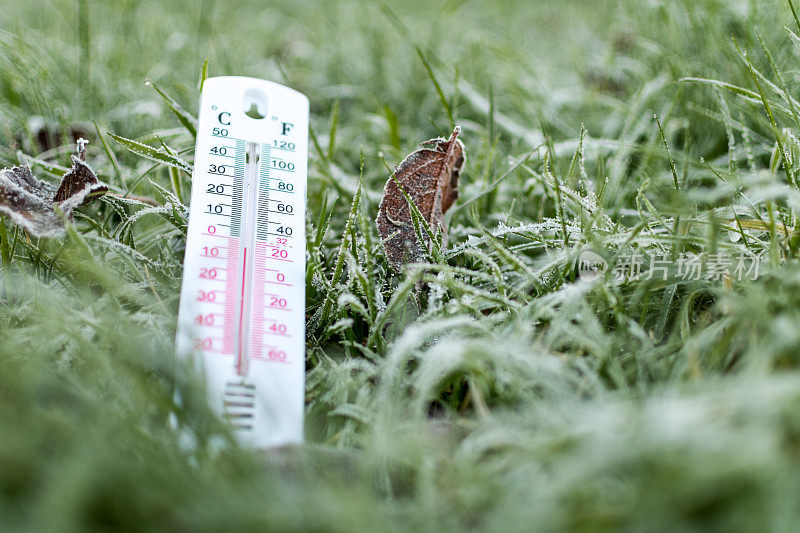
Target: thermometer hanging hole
254	104
253	112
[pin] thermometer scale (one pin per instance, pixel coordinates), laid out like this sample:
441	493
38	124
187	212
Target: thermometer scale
242	307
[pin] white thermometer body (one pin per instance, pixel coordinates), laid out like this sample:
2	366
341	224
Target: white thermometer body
242	307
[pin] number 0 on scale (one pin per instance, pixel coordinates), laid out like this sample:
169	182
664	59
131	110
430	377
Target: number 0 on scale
242	308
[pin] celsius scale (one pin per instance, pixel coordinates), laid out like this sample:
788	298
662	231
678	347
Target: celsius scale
242	306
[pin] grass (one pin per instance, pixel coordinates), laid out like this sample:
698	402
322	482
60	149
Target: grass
502	393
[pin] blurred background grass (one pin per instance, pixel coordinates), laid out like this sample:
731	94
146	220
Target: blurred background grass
506	396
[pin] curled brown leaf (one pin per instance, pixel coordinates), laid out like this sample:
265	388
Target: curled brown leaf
429	176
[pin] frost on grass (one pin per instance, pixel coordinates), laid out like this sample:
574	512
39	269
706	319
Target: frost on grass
34	204
429	177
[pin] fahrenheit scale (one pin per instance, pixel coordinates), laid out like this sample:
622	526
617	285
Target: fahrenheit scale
242	307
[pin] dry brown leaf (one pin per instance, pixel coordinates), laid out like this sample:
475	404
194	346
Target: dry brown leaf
31	203
429	176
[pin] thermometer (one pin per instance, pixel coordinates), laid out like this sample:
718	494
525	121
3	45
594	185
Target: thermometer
242	309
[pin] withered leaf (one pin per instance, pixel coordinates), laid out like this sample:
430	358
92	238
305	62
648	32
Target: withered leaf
79	181
31	203
429	176
23	200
